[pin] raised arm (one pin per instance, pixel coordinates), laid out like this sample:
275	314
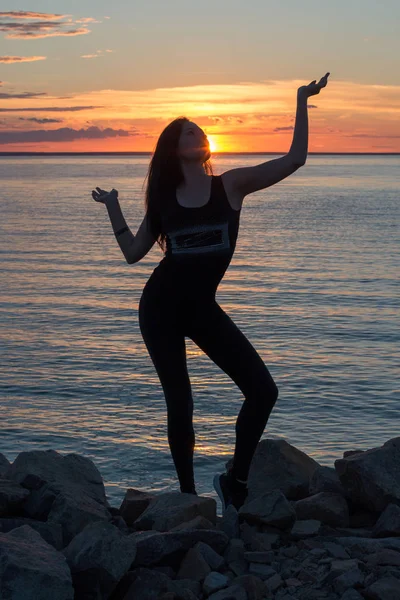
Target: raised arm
247	180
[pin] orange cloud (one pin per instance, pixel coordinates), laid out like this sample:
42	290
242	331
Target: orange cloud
50	25
38	30
49	108
28	14
15	59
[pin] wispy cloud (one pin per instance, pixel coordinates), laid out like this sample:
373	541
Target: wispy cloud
36	120
64	134
49	108
98	53
87	20
29	14
16	59
49	25
39	29
5	95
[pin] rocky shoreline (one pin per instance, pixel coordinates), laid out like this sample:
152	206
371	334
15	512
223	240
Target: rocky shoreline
306	532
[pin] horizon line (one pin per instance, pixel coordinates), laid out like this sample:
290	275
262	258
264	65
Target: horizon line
149	153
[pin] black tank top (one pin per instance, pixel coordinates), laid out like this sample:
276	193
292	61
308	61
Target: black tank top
200	244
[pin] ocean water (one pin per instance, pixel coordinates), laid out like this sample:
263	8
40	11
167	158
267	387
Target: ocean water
314	284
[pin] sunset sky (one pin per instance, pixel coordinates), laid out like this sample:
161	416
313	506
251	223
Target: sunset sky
109	76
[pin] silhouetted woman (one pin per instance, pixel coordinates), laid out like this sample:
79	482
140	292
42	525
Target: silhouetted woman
194	217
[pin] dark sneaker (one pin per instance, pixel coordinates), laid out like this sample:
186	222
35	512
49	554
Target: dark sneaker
230	491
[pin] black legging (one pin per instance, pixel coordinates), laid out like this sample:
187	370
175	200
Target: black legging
164	329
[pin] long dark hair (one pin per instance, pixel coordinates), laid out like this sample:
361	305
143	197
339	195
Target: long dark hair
164	175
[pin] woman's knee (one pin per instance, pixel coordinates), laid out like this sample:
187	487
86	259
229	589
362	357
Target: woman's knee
271	392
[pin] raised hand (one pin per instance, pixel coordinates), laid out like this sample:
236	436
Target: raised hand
313	88
103	196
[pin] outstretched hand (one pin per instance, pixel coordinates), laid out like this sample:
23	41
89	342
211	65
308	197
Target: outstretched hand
103	196
313	88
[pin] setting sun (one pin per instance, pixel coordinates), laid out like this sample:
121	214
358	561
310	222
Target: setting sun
213	145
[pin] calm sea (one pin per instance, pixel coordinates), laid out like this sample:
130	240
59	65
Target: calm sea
313	285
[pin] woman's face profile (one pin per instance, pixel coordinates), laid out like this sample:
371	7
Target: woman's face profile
193	143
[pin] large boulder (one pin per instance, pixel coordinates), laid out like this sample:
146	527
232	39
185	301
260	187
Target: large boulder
388	523
325	479
36	468
326	507
134	504
4	464
154	547
271	509
63	489
74	512
174	508
31	569
50	532
372	478
276	464
99	556
12	498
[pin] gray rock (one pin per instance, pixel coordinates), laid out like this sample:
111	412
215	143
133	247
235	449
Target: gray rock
215	581
235	550
326	507
349	579
179	586
325	479
154	547
31	569
290	551
99	556
386	588
272	508
362	518
368	545
388	523
40	501
146	584
134	504
276	464
318	552
351	594
335	550
74	512
50	532
384	557
230	522
239	567
12	498
254	586
212	558
265	557
62	472
262	571
164	569
193	566
274	582
233	592
372	478
168	510
305	528
198	522
4	465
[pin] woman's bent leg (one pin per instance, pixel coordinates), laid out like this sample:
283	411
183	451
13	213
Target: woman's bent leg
166	346
220	338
